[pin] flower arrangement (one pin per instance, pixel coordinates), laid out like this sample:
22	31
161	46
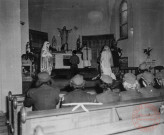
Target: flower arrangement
147	51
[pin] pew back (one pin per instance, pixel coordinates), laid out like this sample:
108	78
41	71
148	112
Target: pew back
105	119
14	103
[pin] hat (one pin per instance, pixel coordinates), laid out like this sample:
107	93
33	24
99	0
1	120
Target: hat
106	47
160	75
44	77
130	78
107	79
148	77
143	66
77	81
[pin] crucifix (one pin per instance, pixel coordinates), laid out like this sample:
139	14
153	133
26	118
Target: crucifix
64	37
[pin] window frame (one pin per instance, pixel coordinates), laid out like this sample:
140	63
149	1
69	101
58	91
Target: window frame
122	25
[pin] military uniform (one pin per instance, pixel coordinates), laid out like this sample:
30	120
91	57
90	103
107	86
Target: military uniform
79	96
107	97
43	97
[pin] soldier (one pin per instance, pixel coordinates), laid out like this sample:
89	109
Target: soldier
78	94
147	80
44	96
108	95
131	86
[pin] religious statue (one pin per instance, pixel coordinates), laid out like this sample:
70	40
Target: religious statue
46	58
54	42
28	47
78	43
106	62
64	37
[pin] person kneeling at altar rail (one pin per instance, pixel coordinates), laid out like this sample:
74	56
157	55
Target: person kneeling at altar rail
44	96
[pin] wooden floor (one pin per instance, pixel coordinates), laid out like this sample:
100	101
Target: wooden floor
3	126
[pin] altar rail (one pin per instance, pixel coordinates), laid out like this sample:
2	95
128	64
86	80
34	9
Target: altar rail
133	70
114	118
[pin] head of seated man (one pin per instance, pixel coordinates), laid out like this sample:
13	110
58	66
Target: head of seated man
44	96
142	68
78	94
106	82
130	82
159	78
109	95
131	86
147	80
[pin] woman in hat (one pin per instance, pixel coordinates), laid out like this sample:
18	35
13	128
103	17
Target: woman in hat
44	96
131	86
78	94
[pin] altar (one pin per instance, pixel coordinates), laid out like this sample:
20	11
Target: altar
61	60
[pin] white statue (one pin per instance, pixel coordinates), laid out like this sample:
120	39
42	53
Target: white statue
46	62
106	61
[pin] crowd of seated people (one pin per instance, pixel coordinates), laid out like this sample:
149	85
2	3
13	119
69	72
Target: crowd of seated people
46	95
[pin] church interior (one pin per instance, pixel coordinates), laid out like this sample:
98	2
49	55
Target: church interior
43	34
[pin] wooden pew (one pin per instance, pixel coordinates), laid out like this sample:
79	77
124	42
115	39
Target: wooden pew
14	103
112	118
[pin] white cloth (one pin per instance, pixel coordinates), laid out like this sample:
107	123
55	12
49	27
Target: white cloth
106	62
87	56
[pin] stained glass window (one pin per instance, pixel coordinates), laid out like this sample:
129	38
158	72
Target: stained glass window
123	19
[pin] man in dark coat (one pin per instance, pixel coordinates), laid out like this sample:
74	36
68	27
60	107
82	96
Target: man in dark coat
44	96
108	95
78	95
74	61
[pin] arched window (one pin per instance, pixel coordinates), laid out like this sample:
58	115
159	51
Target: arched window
123	19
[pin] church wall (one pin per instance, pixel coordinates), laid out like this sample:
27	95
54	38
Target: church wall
10	50
146	31
84	18
24	27
146	21
35	14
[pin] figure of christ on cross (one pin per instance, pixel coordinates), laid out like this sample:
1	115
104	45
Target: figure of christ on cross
64	38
